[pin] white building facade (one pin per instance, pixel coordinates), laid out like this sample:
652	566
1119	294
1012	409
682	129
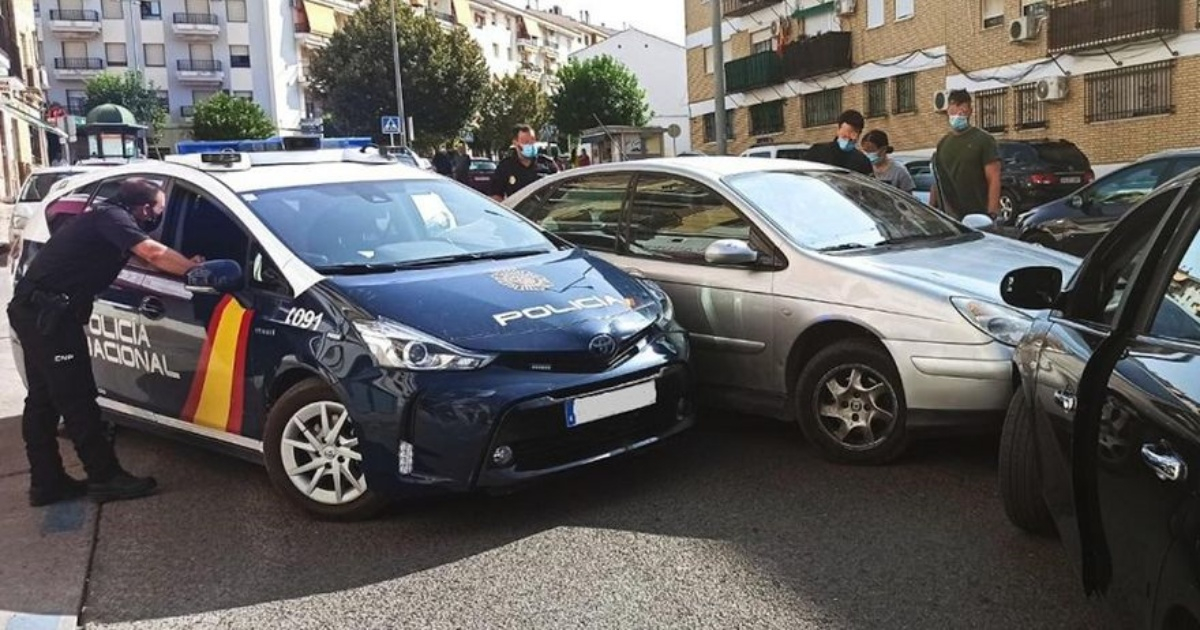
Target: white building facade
661	68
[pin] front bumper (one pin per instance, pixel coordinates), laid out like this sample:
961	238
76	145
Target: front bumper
966	380
436	432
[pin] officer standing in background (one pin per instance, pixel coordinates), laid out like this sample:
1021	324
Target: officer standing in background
518	169
51	305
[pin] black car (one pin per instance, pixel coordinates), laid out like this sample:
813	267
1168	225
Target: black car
1038	171
1074	223
1102	439
479	176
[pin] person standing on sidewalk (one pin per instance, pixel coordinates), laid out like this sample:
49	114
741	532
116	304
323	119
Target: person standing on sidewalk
51	305
876	147
966	166
518	169
843	150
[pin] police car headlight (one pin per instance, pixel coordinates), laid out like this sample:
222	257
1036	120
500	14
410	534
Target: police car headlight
397	346
1004	324
666	306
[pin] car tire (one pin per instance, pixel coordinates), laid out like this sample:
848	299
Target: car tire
850	404
1020	474
322	460
1010	206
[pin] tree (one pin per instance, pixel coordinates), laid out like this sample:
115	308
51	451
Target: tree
225	117
509	101
131	91
600	87
444	73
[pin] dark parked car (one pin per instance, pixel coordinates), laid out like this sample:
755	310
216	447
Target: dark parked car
1104	429
1074	223
1038	171
479	176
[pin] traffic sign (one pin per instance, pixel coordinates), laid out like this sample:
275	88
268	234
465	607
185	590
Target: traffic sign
390	124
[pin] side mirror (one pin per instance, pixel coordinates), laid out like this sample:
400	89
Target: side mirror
730	251
1032	288
978	221
1076	202
215	276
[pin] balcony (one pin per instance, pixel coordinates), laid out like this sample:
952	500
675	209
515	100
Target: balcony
187	112
77	68
530	71
345	7
196	26
757	70
1095	23
814	56
734	8
75	23
445	19
310	40
199	71
527	43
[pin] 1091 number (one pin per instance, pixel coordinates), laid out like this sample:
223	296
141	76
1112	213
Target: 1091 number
303	318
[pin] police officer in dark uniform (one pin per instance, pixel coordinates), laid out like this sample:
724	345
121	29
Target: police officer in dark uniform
519	168
51	305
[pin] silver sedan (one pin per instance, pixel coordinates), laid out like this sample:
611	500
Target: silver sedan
811	293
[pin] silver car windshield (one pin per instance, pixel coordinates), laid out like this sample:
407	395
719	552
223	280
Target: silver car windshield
836	211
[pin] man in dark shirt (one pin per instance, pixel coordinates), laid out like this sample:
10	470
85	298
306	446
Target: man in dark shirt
51	305
843	150
966	166
518	169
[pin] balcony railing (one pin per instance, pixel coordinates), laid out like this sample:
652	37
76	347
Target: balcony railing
74	15
78	63
199	65
196	18
822	54
734	8
1090	23
757	70
187	111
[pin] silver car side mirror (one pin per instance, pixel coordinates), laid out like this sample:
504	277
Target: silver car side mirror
730	251
978	221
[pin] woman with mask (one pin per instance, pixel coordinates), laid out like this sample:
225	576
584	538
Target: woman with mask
875	146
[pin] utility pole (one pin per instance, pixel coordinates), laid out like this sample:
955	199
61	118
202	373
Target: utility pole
718	76
399	81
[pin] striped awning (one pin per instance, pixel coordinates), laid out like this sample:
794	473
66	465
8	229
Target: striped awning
462	12
321	19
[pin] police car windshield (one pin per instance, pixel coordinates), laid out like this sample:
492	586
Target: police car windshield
378	226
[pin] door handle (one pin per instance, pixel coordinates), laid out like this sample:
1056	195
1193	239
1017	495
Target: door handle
1166	464
1066	400
152	307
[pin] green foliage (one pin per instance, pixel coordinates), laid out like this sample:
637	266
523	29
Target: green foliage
509	101
600	87
444	74
225	117
131	91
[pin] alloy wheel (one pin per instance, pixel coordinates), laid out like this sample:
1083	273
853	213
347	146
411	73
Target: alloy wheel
857	407
320	454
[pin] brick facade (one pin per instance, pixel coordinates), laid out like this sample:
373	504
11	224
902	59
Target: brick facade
986	56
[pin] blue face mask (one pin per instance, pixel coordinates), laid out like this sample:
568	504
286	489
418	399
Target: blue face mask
874	157
959	122
529	151
845	145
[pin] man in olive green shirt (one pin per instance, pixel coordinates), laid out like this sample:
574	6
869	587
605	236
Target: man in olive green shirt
966	167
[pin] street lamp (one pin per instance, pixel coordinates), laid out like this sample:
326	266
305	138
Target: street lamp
399	81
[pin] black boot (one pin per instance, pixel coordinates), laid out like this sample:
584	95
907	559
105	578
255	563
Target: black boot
122	486
66	489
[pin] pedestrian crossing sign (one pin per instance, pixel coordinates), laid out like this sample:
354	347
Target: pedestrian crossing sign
390	124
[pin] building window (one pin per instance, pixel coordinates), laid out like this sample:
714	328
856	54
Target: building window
904	100
761	42
77	102
876	98
710	59
991	110
710	126
993	13
113	9
496	50
115	55
875	13
245	95
766	118
1133	92
239	56
164	99
151	10
822	108
155	54
480	20
1031	112
235	10
905	9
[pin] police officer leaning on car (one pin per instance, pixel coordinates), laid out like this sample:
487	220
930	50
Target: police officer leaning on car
51	305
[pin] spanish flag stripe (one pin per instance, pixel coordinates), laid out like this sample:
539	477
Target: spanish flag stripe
237	399
218	391
193	400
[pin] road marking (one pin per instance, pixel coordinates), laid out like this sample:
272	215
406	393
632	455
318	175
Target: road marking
26	621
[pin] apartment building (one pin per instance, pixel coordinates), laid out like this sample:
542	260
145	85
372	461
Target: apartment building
23	135
1112	77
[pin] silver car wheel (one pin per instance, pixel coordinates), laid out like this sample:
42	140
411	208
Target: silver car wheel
320	454
857	407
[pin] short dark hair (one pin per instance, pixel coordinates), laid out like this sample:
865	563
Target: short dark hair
522	128
879	138
959	97
852	117
137	191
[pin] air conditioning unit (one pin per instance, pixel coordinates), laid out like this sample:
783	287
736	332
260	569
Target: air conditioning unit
1053	89
846	7
1023	29
941	100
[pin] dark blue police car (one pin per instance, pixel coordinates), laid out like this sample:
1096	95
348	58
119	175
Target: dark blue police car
370	331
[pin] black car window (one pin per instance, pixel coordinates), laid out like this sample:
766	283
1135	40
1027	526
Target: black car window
792	154
1062	156
207	229
1016	152
1178	313
1128	185
676	218
1184	164
586	211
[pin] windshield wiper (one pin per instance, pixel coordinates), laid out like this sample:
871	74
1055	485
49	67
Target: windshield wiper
357	268
844	247
912	238
500	254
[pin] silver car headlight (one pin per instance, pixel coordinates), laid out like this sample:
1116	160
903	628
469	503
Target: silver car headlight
397	346
1004	324
666	306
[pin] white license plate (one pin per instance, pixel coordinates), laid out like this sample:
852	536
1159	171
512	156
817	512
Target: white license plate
614	403
1072	180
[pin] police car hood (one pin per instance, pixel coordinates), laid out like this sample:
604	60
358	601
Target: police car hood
557	302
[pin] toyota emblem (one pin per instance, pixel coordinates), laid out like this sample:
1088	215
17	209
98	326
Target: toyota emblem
603	345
